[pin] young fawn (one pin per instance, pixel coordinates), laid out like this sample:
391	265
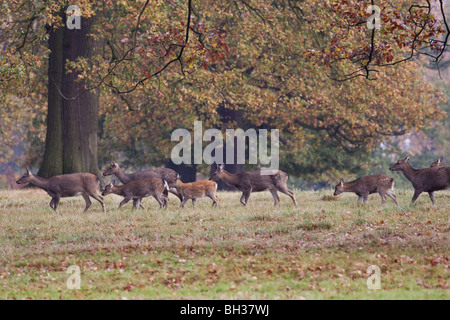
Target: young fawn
66	185
254	181
377	183
198	189
138	189
424	180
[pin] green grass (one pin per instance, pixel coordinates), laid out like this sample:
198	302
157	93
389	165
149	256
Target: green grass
320	249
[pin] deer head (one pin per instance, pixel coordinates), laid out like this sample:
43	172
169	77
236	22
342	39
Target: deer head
219	173
112	169
26	178
339	188
400	164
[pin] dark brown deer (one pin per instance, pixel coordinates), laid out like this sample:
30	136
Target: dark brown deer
254	181
438	163
424	180
377	183
163	173
66	185
198	189
138	189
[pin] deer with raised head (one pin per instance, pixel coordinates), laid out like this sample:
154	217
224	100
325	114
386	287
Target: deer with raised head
438	163
197	189
254	181
163	173
138	189
377	183
424	180
66	185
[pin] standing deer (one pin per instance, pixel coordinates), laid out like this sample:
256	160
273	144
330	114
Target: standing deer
377	183
424	180
254	181
163	173
138	189
66	185
198	189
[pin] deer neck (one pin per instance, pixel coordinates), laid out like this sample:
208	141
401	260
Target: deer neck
122	176
117	190
349	186
40	182
230	178
409	172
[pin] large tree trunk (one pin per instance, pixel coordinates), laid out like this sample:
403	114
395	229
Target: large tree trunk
52	163
80	116
72	125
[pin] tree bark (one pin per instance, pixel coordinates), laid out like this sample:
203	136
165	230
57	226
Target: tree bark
80	116
52	163
72	125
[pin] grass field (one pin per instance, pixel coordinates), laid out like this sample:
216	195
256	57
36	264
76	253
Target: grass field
320	249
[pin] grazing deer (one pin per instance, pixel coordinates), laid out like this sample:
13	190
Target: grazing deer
253	181
437	163
424	180
66	185
198	189
163	173
377	183
138	189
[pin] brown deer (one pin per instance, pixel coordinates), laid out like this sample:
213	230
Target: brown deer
438	163
377	183
198	189
424	180
138	189
163	173
254	181
66	185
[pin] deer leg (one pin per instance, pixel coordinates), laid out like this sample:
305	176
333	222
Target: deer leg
415	196
360	199
275	196
247	196
137	203
184	202
383	197
99	199
55	201
366	197
289	193
161	201
124	201
193	202
177	193
213	198
88	202
431	196
392	196
242	199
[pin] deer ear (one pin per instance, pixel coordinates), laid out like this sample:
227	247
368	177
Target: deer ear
28	170
342	182
407	157
220	167
113	182
113	164
178	176
441	159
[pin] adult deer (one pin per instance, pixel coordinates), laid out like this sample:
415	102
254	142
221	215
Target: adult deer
66	185
254	181
424	180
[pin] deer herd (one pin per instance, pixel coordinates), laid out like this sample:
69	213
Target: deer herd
159	182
